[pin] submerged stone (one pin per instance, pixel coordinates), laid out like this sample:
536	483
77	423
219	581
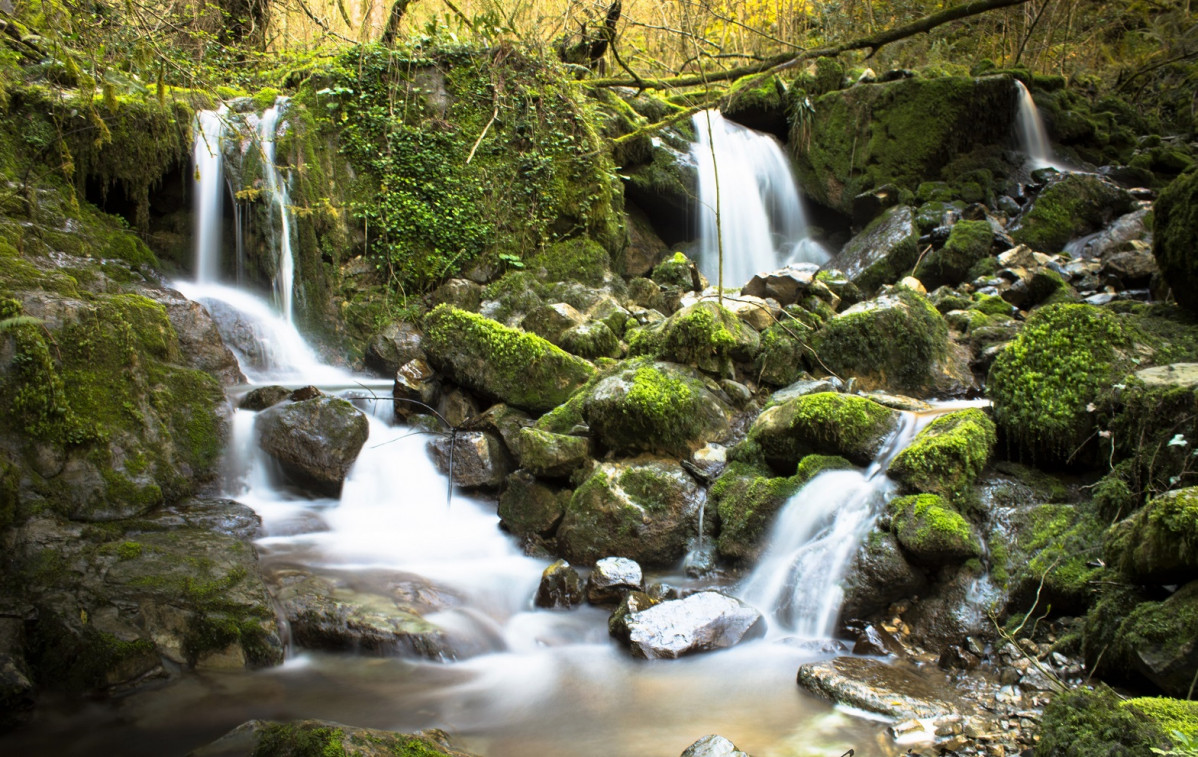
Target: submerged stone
887	688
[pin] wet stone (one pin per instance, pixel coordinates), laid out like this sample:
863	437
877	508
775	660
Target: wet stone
713	746
699	623
612	578
561	587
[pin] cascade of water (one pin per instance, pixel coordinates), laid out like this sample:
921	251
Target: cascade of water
1032	136
760	215
209	131
280	205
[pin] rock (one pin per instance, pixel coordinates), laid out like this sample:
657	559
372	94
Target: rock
263	397
265	738
947	456
551	455
678	271
1158	544
479	459
896	341
646	510
878	576
578	259
892	689
654	407
699	623
314	441
612	578
955	658
396	345
560	587
645	249
1133	269
415	386
590	340
549	321
1071	206
325	615
876	642
460	293
514	367
713	746
781	359
631	602
882	252
703	335
1126	229
822	423
968	243
17	692
528	507
1049	555
786	285
931	531
200	342
305	393
1175	227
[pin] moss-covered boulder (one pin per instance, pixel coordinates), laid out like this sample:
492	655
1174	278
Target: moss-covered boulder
550	455
590	340
314	441
1070	207
529	507
580	259
1159	543
946	457
1048	556
903	133
781	359
747	499
301	738
1044	382
884	252
645	510
1175	229
514	367
931	531
704	335
879	575
896	341
1153	639
823	423
1085	723
647	406
968	243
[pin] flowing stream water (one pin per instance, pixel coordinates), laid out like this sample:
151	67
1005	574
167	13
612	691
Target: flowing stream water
1032	136
746	184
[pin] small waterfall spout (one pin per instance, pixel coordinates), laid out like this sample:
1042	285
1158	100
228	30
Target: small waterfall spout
1032	136
280	207
209	129
760	215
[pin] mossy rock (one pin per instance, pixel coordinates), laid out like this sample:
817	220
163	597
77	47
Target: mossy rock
322	738
947	456
1159	641
1084	723
968	243
1171	716
781	359
1070	207
646	510
822	423
896	341
884	252
314	441
704	335
1045	381
677	271
512	366
550	455
1175	227
590	340
581	259
1050	554
646	406
528	507
1159	543
747	499
931	531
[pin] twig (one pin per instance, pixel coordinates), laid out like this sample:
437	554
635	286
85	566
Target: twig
481	137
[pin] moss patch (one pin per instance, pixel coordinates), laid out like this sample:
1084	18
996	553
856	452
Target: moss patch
1085	723
1175	228
824	423
947	456
968	243
931	531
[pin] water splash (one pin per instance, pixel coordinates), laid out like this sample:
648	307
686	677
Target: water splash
761	220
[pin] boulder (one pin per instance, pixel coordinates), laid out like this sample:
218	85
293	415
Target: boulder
947	456
1175	227
896	690
713	746
395	345
550	455
699	623
646	510
704	335
654	407
680	273
1157	640
883	252
1048	556
514	367
878	576
1072	206
968	243
416	388
631	602
645	249
612	578
590	340
263	397
314	441
479	459
1159	543
579	259
931	531
550	321
786	285
823	423
200	343
784	347
528	507
897	341
560	587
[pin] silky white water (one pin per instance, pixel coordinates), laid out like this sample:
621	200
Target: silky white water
761	221
208	191
1032	136
278	196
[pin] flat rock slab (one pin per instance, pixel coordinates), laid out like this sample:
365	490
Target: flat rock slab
699	623
892	689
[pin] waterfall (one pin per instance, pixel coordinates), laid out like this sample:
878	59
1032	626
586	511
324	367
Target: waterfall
761	220
1032	136
209	129
280	206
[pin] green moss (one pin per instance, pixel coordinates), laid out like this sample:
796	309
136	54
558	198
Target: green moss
780	361
897	341
581	259
1069	208
947	456
991	304
288	740
1159	543
521	369
1056	553
825	422
1084	723
1043	383
675	271
931	531
1169	715
704	335
968	242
